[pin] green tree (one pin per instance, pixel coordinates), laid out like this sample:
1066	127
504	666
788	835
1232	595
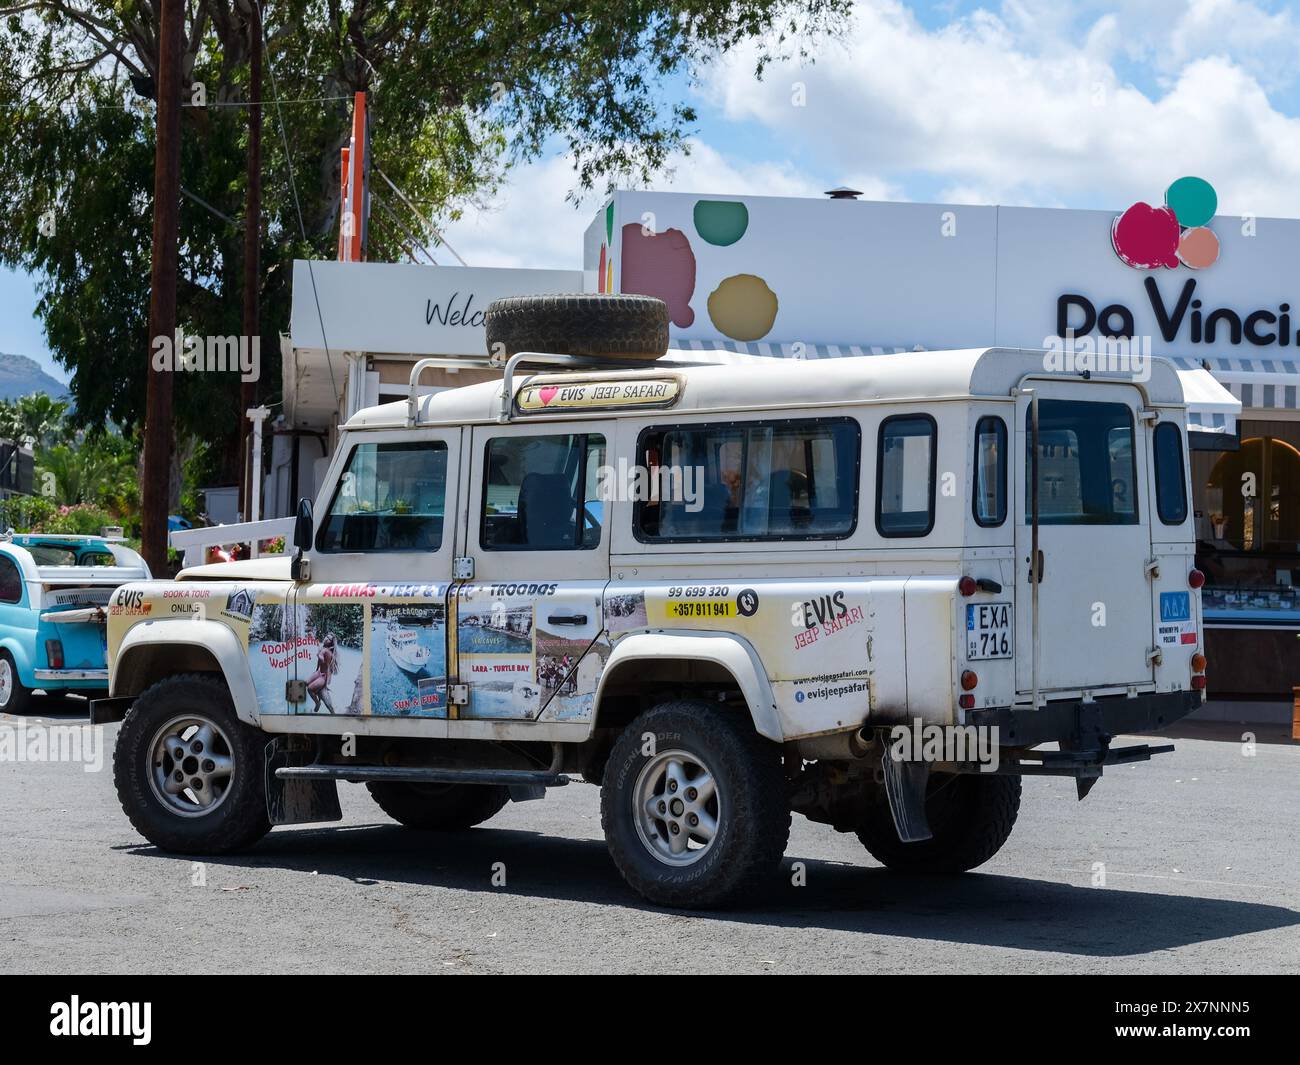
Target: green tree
459	90
100	468
41	419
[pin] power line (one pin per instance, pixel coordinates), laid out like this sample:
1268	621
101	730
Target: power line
293	188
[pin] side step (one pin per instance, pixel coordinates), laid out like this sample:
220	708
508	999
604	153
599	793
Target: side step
543	778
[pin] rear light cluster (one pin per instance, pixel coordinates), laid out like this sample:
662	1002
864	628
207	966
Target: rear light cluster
1198	671
54	653
968	682
1195	579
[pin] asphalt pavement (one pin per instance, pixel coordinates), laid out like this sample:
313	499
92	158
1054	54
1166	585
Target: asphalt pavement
1187	864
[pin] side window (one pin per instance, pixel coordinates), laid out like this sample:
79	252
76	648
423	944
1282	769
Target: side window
1087	473
748	481
11	582
1171	475
540	493
990	497
391	497
905	461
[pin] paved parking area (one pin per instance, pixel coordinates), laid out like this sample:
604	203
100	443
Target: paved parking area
1200	853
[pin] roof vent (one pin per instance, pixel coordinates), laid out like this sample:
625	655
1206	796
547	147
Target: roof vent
843	193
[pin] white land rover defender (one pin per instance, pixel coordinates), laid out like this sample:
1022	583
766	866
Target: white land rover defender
713	590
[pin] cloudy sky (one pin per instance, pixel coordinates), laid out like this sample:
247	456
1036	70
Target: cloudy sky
1069	103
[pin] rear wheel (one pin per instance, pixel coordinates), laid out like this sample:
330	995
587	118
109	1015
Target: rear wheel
971	816
189	773
439	807
15	697
693	805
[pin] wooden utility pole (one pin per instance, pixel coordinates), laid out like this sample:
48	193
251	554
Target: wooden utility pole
162	297
252	464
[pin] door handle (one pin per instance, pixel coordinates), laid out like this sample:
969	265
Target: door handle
1039	579
567	619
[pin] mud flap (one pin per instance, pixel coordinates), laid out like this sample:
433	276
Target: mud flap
297	802
905	785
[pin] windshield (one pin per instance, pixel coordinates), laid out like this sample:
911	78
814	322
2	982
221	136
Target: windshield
69	555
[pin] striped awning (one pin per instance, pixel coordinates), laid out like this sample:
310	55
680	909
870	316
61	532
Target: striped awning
1269	384
1211	407
793	350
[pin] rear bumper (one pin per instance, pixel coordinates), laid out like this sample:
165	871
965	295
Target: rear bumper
61	677
1082	724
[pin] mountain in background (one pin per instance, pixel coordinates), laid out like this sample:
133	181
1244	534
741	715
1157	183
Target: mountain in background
21	376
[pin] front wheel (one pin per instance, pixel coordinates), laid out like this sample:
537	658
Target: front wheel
693	805
189	773
971	816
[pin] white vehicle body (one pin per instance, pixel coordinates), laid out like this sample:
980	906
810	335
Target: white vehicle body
491	594
886	642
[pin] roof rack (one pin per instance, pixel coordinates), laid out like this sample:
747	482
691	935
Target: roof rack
541	358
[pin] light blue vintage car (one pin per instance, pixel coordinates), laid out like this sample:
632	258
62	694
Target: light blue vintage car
54	593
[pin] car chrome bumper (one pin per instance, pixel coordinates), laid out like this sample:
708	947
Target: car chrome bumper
59	676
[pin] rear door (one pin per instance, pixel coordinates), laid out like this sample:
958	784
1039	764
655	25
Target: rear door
1094	598
538	535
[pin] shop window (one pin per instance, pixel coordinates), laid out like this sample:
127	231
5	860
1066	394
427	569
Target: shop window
389	498
540	493
1248	530
1087	474
905	462
749	481
990	497
1171	477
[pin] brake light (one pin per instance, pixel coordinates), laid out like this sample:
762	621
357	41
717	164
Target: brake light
966	702
1198	682
1195	579
54	653
967	586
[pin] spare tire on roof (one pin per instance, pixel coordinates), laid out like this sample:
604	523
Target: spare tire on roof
625	327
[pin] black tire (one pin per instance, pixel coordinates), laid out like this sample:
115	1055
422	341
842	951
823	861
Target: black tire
971	816
439	807
239	819
752	811
633	327
17	697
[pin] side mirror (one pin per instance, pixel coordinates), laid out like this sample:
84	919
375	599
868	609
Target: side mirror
300	568
302	530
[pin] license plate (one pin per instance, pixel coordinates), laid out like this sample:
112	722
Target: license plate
988	630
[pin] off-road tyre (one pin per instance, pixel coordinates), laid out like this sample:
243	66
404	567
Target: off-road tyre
239	819
629	327
971	816
752	813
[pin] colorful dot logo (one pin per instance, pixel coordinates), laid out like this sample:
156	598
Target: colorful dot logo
1149	238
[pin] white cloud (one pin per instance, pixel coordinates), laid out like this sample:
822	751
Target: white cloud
1009	108
1031	103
